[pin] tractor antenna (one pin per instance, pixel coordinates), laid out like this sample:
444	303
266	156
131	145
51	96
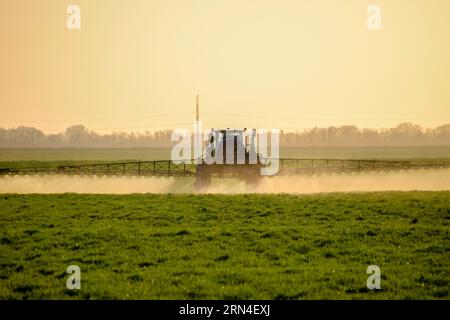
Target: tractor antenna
197	117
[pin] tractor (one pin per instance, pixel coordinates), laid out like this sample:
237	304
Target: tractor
229	153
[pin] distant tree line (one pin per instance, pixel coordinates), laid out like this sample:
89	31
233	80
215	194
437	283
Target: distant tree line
78	136
405	134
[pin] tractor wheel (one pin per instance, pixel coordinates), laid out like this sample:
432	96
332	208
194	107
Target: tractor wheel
203	178
253	176
202	182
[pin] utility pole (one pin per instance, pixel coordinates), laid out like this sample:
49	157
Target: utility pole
198	136
197	117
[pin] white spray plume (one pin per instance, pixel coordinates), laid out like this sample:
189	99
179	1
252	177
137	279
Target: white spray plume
431	180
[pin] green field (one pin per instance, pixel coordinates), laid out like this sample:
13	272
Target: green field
225	247
13	158
20	158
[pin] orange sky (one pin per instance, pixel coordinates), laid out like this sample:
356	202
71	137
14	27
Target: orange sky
137	65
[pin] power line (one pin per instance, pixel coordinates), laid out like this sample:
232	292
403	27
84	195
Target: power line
144	127
104	119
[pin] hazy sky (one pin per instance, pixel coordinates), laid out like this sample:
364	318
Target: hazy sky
137	65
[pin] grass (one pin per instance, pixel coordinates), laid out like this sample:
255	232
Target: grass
20	158
23	158
81	154
225	247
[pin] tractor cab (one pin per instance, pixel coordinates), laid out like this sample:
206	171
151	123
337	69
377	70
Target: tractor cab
231	146
229	153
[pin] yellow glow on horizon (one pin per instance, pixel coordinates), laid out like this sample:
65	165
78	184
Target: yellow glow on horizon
137	66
